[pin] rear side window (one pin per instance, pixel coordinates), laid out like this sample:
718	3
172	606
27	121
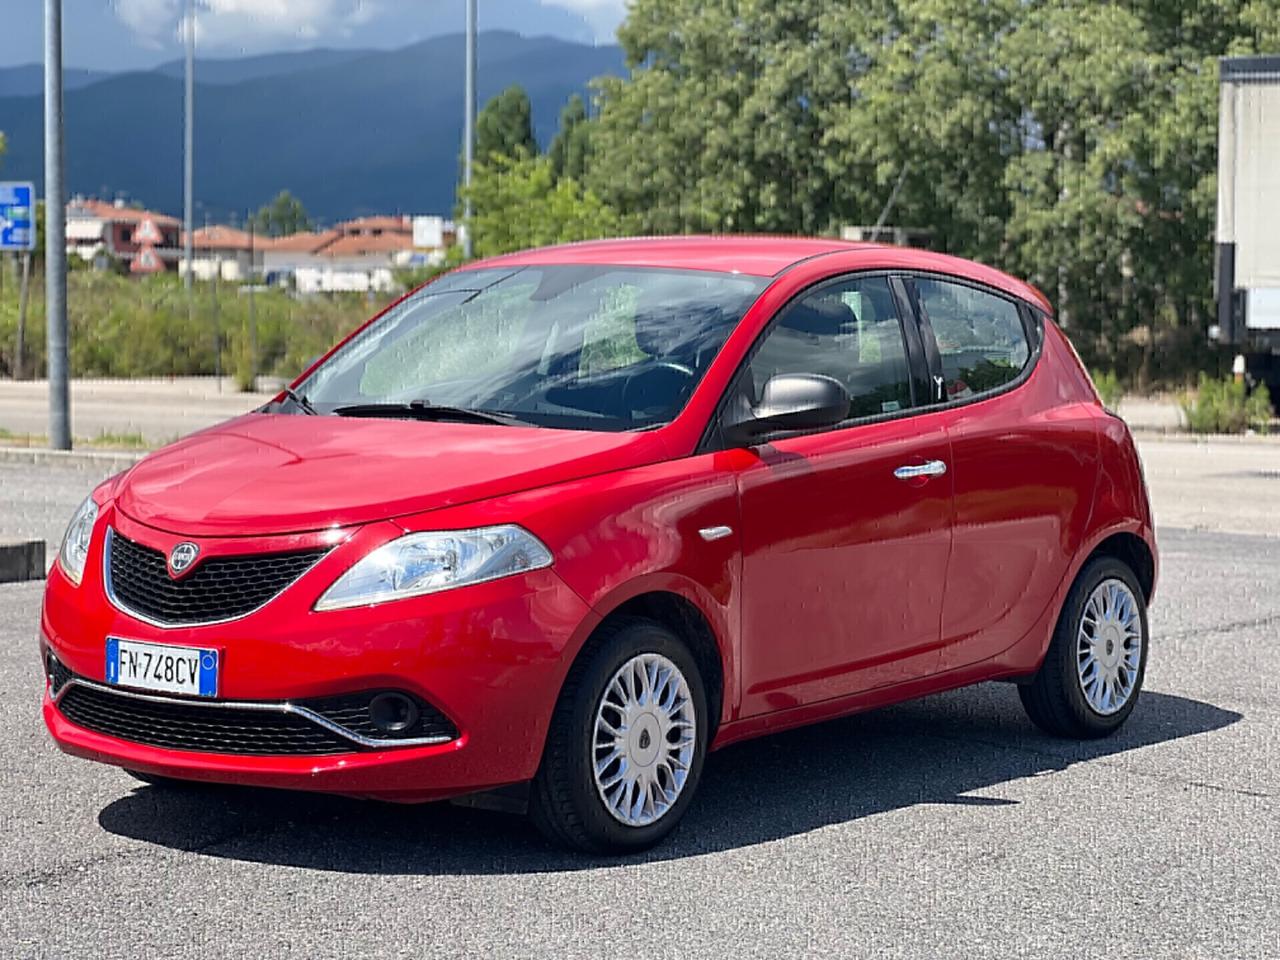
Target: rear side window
980	336
849	331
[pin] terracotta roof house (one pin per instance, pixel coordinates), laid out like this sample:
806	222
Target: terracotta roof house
149	242
222	252
355	256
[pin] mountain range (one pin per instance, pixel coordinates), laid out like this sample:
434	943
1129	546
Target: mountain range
348	132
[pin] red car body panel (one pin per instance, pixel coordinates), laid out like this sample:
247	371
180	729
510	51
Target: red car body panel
841	587
259	474
846	596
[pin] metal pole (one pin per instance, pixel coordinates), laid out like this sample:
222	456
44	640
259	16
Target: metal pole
253	315
20	355
189	172
55	232
469	128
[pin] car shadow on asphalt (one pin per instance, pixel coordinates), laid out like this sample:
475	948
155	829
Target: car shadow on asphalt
939	750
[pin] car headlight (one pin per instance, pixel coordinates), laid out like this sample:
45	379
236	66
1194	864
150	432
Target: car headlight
75	543
421	563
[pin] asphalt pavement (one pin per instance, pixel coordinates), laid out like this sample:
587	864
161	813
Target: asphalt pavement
946	827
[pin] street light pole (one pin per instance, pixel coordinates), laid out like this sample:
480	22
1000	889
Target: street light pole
55	231
189	176
469	128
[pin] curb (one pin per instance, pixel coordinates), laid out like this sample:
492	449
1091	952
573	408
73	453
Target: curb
110	460
1182	436
21	561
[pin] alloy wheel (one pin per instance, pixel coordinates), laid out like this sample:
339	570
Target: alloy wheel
1109	647
643	742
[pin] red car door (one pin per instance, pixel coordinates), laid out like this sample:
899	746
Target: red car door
845	533
1024	465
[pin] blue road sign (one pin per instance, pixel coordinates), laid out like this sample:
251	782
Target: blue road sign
17	216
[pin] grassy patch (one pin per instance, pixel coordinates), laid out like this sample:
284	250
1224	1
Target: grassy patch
1225	406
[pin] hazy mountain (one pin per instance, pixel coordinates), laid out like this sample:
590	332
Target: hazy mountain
95	36
28	80
378	131
238	70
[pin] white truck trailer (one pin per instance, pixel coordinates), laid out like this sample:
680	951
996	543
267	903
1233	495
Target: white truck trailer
1247	268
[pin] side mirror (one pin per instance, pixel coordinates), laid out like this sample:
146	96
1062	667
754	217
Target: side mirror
792	401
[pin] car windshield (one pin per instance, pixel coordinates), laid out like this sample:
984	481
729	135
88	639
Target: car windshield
576	347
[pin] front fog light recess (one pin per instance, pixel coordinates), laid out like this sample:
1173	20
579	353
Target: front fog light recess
74	551
420	563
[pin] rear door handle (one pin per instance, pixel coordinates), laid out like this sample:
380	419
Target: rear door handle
934	468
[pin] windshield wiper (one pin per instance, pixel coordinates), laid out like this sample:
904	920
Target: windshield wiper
303	403
421	410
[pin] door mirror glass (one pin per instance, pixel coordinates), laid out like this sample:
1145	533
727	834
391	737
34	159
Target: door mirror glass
792	401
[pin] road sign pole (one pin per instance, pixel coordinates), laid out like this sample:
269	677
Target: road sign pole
55	232
20	353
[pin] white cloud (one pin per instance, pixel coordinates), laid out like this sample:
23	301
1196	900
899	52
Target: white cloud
603	15
245	23
151	20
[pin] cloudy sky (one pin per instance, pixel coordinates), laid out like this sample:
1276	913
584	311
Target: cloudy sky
135	34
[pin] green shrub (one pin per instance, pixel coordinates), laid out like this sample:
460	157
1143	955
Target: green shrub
1109	388
1225	406
142	327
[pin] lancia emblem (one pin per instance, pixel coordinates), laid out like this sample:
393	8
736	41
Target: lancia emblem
182	557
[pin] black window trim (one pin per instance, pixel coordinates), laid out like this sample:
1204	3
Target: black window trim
1032	329
712	439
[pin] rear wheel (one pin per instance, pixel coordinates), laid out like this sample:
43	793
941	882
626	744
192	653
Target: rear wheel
1092	675
626	742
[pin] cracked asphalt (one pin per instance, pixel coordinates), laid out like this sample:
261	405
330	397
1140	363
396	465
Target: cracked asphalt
946	827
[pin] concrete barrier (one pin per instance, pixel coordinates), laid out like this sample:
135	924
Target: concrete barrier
22	560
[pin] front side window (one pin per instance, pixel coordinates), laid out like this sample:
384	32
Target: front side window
980	336
576	347
849	331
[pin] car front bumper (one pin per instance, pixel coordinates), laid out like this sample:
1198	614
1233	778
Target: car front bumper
490	657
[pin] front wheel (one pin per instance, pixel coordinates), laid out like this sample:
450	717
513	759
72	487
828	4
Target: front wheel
1092	675
626	742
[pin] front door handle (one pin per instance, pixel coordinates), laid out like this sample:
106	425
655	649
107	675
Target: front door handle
934	468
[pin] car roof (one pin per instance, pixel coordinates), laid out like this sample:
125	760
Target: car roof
761	256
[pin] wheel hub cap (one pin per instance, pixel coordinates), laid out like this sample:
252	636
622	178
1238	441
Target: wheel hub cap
1109	647
644	738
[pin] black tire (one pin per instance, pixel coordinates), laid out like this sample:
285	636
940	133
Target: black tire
1055	699
564	802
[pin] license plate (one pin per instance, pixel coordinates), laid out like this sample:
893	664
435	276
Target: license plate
158	666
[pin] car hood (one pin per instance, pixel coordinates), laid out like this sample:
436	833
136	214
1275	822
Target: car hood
272	473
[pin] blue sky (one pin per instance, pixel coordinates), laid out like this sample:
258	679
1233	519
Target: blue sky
138	34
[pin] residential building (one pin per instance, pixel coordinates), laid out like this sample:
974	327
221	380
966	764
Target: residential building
223	252
356	256
146	241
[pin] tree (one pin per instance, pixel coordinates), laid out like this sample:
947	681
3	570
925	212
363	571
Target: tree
505	126
571	144
519	203
1071	142
282	217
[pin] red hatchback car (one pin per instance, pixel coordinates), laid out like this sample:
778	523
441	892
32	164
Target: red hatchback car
560	522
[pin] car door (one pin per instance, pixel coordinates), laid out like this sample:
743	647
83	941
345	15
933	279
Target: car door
845	532
1024	462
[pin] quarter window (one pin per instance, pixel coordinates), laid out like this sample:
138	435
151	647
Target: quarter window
848	331
980	336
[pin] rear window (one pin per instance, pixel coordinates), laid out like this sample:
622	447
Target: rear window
980	336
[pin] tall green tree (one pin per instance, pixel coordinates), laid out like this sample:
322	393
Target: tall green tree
572	142
282	217
520	203
1069	141
505	126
